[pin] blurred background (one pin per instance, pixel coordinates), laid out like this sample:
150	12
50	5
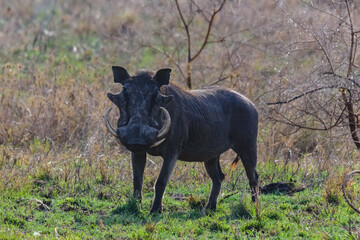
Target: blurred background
298	62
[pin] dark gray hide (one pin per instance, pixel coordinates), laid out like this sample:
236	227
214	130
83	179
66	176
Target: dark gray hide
204	124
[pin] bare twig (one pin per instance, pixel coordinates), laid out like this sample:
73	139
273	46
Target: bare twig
190	57
45	24
352	116
326	54
342	78
289	122
167	55
57	234
210	25
344	192
42	204
302	95
351	42
228	195
353	122
218	81
186	27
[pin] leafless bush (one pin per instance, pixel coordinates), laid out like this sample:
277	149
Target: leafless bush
317	88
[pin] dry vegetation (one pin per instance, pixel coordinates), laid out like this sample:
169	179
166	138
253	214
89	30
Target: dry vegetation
56	59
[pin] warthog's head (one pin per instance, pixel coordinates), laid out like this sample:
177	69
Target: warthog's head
143	123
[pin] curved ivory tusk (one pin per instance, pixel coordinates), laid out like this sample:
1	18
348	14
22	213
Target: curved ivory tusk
108	125
158	143
163	131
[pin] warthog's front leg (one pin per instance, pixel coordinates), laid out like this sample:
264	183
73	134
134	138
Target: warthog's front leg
138	166
212	167
165	173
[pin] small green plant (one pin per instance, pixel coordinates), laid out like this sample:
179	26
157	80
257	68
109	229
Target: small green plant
332	189
130	207
240	211
196	202
254	225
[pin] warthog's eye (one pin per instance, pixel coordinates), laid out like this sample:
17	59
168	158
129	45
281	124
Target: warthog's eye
124	94
122	99
164	99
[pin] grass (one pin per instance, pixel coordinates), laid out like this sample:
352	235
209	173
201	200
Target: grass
63	177
92	203
25	214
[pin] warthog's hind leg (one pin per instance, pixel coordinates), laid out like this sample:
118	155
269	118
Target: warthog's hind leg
249	159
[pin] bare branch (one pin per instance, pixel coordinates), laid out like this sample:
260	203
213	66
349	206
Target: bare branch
314	36
325	53
352	117
167	55
200	10
216	41
325	12
302	95
206	41
186	26
343	189
342	78
299	126
293	124
218	81
352	41
216	11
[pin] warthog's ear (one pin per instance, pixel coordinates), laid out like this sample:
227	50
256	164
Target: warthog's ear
120	74
162	77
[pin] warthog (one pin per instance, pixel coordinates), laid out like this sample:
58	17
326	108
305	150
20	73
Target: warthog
162	119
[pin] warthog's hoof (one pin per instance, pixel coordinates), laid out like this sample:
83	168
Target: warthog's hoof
155	211
210	208
206	211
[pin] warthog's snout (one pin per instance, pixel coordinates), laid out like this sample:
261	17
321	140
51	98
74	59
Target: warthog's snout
136	136
136	132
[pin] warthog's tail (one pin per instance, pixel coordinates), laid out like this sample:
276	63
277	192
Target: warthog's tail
235	162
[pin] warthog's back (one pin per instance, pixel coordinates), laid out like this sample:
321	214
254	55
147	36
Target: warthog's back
213	119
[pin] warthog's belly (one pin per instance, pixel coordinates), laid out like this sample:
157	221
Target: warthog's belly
200	152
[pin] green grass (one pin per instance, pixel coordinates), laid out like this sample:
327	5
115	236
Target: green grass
92	211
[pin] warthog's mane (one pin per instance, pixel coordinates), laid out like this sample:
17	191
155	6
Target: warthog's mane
199	105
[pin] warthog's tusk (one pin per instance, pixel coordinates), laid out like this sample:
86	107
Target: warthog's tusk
165	128
158	143
163	131
108	125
